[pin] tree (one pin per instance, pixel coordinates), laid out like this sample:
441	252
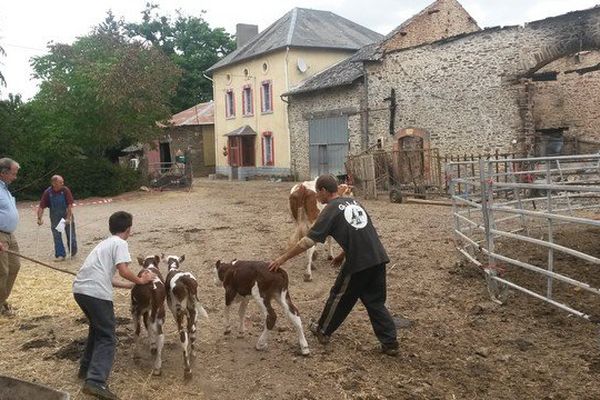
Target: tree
191	44
102	93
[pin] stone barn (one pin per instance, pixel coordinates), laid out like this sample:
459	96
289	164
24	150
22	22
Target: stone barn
191	131
332	107
527	89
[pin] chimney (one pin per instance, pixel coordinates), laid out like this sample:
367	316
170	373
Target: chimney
243	33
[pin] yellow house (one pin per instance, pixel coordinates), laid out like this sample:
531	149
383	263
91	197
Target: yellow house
252	135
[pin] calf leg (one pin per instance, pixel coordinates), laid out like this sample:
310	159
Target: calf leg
242	315
191	326
229	298
183	338
159	338
137	326
308	273
294	316
269	318
329	248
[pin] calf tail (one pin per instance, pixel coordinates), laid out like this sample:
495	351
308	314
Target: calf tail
200	310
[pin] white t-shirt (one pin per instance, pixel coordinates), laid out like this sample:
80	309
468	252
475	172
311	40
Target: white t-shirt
94	278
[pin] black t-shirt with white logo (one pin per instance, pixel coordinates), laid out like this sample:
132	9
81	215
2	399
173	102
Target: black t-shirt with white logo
349	224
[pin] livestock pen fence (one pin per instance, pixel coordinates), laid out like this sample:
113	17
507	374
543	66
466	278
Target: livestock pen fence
420	171
510	217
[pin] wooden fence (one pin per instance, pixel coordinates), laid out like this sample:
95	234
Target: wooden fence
420	171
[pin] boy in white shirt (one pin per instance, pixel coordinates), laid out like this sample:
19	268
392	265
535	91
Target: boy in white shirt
93	292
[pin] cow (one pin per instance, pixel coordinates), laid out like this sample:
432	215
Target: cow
245	279
182	298
305	209
148	304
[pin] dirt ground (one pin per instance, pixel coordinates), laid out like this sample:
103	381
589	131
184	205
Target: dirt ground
460	346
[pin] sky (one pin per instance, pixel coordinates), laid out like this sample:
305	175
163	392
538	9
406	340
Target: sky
27	26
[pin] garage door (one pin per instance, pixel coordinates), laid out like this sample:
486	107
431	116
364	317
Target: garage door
328	145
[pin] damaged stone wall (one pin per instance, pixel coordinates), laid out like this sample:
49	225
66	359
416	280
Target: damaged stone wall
333	102
572	101
466	91
442	19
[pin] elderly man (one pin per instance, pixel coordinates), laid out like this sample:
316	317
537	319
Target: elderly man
9	218
59	199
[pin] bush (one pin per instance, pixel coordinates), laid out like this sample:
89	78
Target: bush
86	177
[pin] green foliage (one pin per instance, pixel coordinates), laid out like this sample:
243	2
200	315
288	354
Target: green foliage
98	177
103	92
191	44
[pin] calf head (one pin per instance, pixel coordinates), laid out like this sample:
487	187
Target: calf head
149	261
173	262
345	190
220	270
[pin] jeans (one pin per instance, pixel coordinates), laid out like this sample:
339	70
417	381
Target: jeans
59	247
100	347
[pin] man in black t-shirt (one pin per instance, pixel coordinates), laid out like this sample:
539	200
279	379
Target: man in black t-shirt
362	275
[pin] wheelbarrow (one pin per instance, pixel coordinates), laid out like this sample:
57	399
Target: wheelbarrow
16	389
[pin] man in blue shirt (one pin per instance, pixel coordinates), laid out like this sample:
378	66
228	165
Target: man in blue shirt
9	218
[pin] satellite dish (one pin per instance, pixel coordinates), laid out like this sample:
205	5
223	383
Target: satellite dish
302	67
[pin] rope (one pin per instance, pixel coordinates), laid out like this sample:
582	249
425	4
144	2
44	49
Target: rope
14	253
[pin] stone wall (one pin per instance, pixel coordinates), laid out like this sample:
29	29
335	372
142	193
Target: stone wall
192	138
442	19
332	102
465	91
571	101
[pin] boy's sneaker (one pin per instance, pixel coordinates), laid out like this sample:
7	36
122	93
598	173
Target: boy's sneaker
99	391
390	349
59	259
321	337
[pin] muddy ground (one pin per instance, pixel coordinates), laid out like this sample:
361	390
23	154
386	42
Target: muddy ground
460	346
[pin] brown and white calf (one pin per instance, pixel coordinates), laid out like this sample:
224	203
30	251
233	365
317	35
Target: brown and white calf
305	209
245	279
148	304
182	298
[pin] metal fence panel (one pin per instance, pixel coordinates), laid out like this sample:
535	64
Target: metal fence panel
527	201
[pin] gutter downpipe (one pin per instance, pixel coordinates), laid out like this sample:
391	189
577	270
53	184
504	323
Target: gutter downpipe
365	138
287	117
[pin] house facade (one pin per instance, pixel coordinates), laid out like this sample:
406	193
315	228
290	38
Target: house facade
252	135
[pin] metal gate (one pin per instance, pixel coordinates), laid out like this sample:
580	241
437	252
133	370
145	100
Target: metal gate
530	217
328	145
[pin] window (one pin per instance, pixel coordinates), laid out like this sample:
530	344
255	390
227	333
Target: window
247	106
266	96
268	151
229	104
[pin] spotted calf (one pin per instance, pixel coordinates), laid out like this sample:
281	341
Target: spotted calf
148	304
245	279
182	298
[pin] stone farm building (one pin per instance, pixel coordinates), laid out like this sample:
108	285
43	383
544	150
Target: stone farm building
438	81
